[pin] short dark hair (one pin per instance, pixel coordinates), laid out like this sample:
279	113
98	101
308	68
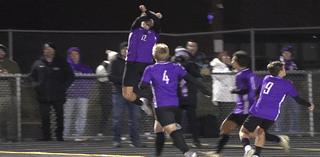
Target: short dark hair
191	40
241	58
275	67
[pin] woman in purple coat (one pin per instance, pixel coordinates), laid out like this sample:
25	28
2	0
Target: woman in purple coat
77	94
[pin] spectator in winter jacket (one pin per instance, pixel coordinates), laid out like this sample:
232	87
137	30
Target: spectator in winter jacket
187	93
77	94
222	81
105	90
8	118
51	76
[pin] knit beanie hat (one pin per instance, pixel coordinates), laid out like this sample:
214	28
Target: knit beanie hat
4	48
48	44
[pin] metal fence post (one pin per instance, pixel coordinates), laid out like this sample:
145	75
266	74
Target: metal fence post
18	93
10	41
311	122
253	58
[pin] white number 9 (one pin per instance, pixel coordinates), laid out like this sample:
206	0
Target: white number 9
268	88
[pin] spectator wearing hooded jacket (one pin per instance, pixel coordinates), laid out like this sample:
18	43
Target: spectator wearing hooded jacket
51	76
222	83
289	106
77	94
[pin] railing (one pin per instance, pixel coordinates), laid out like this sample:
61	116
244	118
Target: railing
20	118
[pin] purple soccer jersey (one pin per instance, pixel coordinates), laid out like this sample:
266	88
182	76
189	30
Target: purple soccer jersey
163	78
272	95
141	42
246	79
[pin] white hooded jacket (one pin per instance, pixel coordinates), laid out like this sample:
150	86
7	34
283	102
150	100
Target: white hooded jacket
222	84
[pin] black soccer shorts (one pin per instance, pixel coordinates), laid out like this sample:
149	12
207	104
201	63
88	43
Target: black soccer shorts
252	122
133	72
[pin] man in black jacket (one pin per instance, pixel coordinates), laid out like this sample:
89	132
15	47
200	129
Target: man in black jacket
50	77
120	104
188	93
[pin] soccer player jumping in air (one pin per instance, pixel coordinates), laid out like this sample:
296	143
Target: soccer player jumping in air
163	77
145	32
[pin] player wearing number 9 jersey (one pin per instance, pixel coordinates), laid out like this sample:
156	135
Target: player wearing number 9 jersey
163	77
273	92
265	111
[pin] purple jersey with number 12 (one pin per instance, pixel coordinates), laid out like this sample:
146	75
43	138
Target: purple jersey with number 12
163	78
273	92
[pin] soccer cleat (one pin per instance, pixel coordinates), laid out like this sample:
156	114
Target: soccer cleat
248	153
145	107
254	156
196	144
190	154
284	142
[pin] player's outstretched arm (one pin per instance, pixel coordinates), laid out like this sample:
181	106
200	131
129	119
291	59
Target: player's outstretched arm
196	83
143	85
303	102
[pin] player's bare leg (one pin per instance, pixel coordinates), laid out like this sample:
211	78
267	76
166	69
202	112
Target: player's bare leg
127	93
244	135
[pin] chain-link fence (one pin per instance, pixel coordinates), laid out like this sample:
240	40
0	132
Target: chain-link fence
20	117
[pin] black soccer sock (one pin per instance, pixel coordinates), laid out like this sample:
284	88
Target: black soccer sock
179	141
258	151
223	140
137	101
159	142
272	137
245	142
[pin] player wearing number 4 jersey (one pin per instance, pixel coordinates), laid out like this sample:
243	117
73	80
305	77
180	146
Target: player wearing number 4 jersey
163	77
266	110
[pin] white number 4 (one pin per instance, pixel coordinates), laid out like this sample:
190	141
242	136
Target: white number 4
165	77
268	88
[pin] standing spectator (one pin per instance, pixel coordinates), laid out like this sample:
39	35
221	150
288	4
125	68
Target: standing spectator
221	84
187	93
51	76
266	109
8	118
7	66
120	104
289	105
105	90
145	32
198	57
77	95
163	77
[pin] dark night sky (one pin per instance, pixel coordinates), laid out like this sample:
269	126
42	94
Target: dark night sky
102	14
180	16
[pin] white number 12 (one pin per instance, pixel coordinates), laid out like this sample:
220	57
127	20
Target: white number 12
165	77
268	88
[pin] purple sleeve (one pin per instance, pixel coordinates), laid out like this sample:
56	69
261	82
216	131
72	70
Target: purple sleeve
146	75
290	90
132	47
